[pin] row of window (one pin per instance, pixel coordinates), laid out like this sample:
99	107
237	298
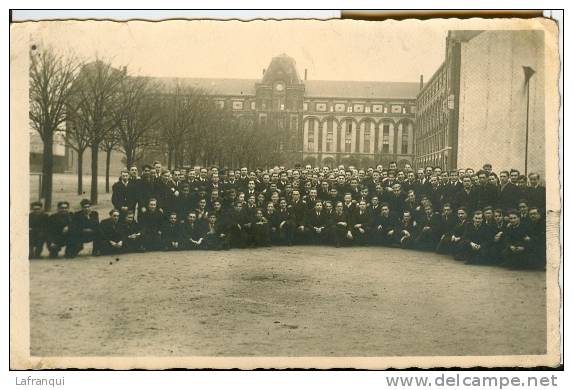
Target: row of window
359	108
239	105
367	140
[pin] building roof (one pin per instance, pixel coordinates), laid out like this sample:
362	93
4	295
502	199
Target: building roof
361	89
313	88
212	86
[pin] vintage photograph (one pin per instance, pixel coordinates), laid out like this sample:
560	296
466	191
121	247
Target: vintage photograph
225	194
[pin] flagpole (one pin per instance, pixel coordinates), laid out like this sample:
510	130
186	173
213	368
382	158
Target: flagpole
528	72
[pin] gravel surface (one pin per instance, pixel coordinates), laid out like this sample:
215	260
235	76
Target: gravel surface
283	301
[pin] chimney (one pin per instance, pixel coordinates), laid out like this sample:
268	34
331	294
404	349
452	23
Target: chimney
305	73
421	81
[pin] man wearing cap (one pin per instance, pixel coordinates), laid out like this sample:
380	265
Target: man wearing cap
85	228
59	229
38	223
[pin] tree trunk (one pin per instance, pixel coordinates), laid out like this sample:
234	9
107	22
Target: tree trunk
107	164
93	189
80	172
169	157
47	169
129	157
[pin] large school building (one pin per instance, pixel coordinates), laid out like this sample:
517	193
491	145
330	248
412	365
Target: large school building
321	122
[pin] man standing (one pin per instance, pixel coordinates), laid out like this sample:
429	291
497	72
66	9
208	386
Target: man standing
151	221
124	193
317	223
475	241
361	223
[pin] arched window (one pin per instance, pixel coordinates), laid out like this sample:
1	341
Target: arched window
405	139
310	140
367	136
348	137
329	135
386	138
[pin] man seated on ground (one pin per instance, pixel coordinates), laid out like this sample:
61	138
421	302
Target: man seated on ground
131	233
215	237
361	223
59	229
515	253
192	232
111	237
430	230
151	221
450	240
37	226
474	247
274	223
384	224
171	233
405	231
448	222
339	229
286	225
85	227
238	226
317	224
261	229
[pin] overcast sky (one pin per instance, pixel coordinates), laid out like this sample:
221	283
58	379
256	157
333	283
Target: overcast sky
330	50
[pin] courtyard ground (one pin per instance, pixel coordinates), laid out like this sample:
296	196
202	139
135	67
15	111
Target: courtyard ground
283	301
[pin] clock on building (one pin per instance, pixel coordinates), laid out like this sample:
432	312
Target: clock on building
279	87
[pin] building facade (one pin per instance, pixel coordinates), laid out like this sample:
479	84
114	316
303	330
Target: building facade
474	109
319	122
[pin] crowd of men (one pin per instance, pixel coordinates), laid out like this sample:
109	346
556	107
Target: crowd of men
479	217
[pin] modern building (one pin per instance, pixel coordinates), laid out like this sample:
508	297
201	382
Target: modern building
475	108
321	122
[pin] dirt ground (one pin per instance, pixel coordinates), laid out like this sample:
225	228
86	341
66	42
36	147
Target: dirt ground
295	301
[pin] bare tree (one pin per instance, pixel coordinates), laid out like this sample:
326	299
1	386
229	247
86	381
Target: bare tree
51	86
78	139
109	143
98	86
137	115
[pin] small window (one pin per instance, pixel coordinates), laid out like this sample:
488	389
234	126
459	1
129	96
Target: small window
320	106
237	105
378	108
339	107
220	103
305	106
253	105
358	108
396	109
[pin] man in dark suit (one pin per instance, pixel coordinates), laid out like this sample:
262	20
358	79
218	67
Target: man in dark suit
151	220
84	229
467	197
535	193
429	230
451	238
131	233
508	192
59	229
486	192
111	237
286	224
298	210
192	232
317	224
383	229
475	241
537	242
339	230
171	233
124	194
37	230
405	231
515	254
361	224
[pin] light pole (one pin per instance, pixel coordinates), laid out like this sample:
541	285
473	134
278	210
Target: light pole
529	72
